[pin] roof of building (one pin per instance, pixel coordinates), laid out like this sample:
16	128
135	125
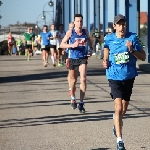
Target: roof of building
143	17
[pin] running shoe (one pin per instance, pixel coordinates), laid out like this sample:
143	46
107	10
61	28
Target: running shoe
81	108
120	146
54	65
73	104
59	64
44	64
62	65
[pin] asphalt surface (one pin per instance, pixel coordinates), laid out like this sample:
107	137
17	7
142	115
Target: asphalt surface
35	112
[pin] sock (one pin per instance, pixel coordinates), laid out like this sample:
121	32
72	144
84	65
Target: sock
119	139
52	57
73	97
69	89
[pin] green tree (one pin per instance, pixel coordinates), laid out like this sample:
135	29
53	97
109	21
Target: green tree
143	31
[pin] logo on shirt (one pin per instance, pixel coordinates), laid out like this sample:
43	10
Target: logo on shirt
116	42
82	41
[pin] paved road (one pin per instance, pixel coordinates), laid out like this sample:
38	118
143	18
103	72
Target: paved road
35	113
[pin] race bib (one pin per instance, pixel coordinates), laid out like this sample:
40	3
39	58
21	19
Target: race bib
121	58
29	42
82	41
42	46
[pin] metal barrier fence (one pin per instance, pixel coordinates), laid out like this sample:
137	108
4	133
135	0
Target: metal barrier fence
144	41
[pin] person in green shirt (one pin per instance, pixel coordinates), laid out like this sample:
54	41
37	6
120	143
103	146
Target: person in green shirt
28	43
18	44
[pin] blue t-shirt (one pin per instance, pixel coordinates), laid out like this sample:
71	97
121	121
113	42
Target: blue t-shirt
80	51
122	64
45	38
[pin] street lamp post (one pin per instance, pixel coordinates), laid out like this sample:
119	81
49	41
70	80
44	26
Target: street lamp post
44	16
37	23
51	4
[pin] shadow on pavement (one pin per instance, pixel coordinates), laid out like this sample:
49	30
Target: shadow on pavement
68	118
99	115
44	103
43	76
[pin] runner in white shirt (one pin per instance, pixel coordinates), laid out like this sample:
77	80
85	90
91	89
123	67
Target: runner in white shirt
60	35
53	43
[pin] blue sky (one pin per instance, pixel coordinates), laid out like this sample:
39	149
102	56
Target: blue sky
29	10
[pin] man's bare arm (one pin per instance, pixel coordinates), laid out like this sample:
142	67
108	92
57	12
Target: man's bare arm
105	59
140	55
65	40
106	54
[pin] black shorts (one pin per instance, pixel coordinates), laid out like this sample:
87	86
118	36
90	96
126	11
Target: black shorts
47	48
28	46
53	46
75	63
121	89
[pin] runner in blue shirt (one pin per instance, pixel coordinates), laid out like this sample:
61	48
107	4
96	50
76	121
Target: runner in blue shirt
45	44
121	50
77	58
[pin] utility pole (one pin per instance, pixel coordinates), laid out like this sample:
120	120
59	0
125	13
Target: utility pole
138	18
98	15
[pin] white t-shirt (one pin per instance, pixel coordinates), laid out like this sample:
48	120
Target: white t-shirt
54	41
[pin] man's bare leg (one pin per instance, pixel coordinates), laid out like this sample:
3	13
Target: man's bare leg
83	72
120	110
73	80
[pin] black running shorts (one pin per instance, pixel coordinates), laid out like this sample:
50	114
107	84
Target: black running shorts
47	48
53	46
75	63
28	46
121	89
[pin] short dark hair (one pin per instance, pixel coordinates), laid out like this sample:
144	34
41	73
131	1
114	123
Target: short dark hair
78	15
45	26
61	25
